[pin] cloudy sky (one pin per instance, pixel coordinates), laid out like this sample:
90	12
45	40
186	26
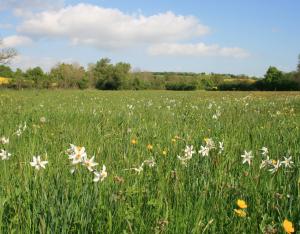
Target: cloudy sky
232	36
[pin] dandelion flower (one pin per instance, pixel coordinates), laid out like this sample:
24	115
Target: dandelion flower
240	212
134	141
149	147
241	203
164	152
288	226
37	163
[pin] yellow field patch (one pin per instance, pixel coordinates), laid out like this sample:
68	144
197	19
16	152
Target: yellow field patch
4	80
250	81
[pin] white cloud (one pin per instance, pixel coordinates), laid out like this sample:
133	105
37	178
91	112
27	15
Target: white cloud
111	28
30	4
15	41
46	63
5	26
199	49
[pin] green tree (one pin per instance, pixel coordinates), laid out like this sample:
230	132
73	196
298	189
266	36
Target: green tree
6	71
36	75
109	76
69	75
298	66
273	75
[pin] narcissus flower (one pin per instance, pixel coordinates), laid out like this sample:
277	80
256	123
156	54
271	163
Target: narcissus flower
241	203
247	157
4	140
288	226
100	175
37	163
89	163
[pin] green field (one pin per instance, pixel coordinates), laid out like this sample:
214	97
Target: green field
163	194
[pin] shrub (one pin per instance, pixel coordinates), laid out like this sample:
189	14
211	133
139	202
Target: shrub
181	86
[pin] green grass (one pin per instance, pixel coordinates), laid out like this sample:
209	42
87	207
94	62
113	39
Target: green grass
167	198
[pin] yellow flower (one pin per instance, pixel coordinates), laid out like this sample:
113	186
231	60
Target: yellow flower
164	153
134	141
173	140
288	226
240	212
149	147
241	203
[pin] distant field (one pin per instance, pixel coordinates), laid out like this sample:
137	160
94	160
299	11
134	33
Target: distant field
4	80
156	182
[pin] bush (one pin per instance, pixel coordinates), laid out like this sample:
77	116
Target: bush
83	84
232	86
181	86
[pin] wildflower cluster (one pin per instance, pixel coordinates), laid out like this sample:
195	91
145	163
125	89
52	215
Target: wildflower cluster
204	150
78	156
271	165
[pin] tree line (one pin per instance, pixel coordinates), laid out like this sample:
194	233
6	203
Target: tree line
105	75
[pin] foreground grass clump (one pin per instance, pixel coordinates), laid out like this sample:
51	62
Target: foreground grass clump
164	162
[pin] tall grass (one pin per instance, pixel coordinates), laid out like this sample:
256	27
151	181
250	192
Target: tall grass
167	198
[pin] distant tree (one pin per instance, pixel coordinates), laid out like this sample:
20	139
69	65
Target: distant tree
109	76
6	71
68	75
298	66
273	75
6	54
35	74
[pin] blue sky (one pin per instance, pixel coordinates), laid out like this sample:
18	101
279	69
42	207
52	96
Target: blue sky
232	36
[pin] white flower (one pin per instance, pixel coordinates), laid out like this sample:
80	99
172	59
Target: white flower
287	162
150	162
204	151
100	175
18	132
43	119
4	155
4	140
184	160
77	154
265	151
276	166
137	169
38	163
247	157
89	163
188	151
221	147
266	162
210	144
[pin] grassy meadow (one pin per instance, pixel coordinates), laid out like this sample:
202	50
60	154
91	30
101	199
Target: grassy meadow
156	182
